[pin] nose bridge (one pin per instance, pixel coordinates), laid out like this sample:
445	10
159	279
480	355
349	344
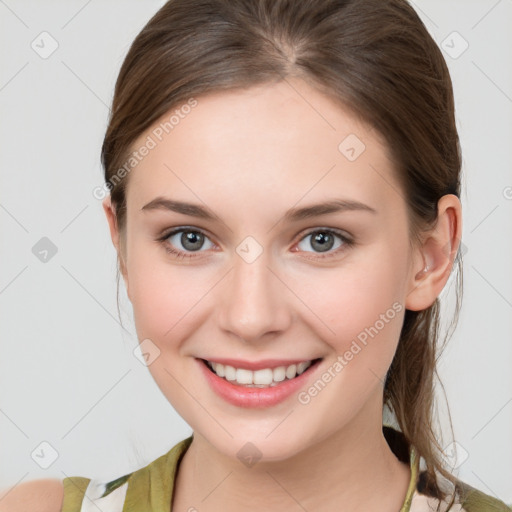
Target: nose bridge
254	301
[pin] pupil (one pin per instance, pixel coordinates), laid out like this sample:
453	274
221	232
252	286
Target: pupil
325	241
192	240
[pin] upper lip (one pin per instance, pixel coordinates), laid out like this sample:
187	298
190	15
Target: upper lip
258	365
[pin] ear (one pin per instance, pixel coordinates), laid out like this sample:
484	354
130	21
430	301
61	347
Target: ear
433	261
115	235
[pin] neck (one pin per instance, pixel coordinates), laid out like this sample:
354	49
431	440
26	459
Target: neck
353	466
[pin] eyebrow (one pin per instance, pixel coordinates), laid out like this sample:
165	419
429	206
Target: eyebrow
292	215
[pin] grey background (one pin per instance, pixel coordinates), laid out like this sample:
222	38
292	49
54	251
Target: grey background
68	376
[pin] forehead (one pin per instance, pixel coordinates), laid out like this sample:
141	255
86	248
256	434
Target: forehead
277	142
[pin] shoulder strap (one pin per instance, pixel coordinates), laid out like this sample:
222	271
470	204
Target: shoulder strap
86	495
474	500
145	490
151	487
414	465
74	490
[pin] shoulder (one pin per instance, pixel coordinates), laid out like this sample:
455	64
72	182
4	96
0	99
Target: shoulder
37	496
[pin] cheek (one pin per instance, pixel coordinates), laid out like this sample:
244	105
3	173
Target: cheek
162	295
166	301
360	308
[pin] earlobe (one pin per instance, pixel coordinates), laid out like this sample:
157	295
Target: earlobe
434	259
112	221
115	235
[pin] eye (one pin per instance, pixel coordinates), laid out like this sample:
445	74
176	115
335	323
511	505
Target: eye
324	241
184	241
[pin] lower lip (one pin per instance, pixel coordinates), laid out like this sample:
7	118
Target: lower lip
242	396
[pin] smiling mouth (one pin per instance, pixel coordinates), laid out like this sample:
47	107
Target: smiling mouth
264	378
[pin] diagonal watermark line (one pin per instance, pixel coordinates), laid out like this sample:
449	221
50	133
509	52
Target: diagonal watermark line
424	13
200	404
71	71
483	483
84	495
309	103
382	381
14	76
414	288
95	299
216	487
301	300
492	81
389	183
14	218
76	14
198	301
74	218
486	14
304	195
13	279
280	423
87	413
14	14
286	491
504	298
492	211
14	486
503	407
17	426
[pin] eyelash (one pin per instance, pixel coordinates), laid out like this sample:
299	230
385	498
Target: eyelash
347	242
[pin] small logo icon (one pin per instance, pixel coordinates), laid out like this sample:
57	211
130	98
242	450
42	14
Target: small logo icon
454	45
249	249
351	147
249	455
455	455
44	455
146	352
44	45
44	249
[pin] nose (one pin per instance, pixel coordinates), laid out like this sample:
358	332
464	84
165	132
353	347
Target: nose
253	302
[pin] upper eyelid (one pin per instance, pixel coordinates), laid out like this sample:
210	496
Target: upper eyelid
174	231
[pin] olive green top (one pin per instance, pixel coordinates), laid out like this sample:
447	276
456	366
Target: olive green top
150	489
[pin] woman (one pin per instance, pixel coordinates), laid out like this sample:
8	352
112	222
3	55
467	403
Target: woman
284	183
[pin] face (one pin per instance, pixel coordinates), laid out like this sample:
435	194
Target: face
251	281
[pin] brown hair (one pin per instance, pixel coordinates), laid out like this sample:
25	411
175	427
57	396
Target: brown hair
375	57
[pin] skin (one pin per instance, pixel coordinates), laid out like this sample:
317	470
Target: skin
249	156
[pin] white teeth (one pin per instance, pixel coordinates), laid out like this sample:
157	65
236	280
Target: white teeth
263	376
244	376
259	378
279	373
229	372
219	369
291	371
301	367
